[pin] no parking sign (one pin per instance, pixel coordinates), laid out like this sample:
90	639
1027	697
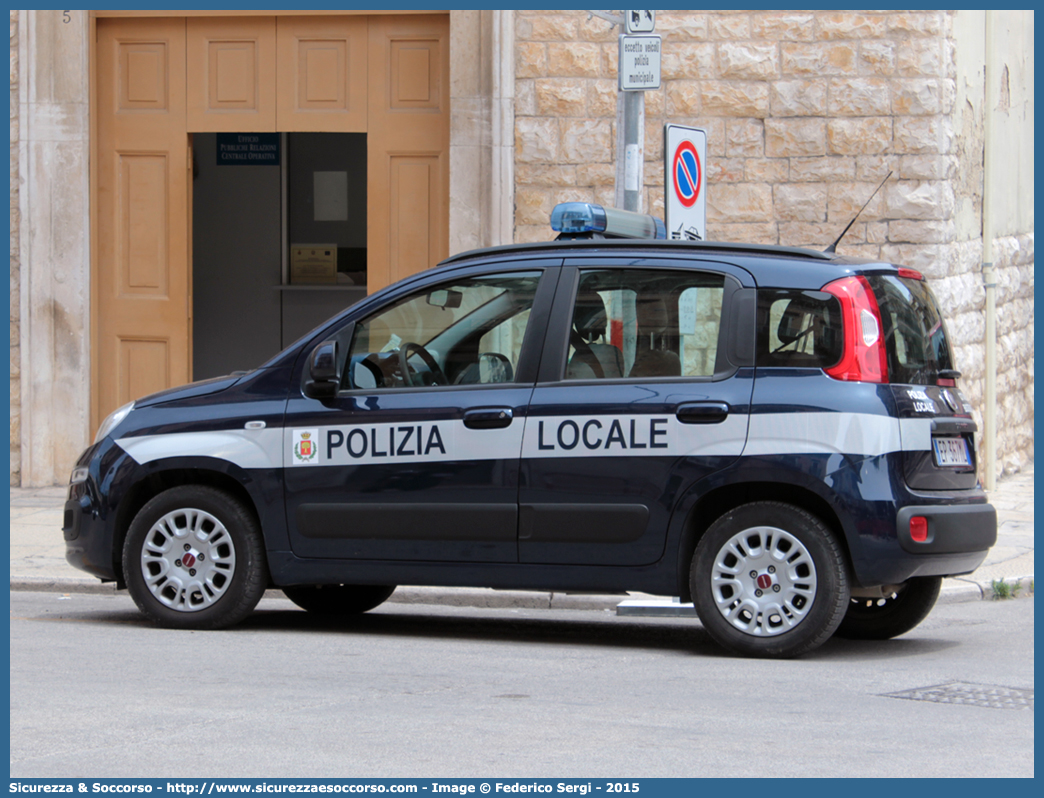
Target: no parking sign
685	200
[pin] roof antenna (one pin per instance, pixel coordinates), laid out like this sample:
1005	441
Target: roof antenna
833	247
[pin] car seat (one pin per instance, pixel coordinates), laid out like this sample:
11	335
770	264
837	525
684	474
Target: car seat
592	358
651	359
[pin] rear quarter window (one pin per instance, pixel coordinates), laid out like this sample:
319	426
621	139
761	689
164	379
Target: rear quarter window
799	329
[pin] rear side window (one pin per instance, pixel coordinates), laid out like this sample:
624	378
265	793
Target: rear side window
636	324
799	329
915	336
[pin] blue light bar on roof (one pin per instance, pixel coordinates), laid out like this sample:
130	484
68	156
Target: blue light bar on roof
576	218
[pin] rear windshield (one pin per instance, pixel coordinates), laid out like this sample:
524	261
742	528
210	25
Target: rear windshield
915	336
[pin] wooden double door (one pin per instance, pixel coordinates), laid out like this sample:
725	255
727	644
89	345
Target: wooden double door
159	80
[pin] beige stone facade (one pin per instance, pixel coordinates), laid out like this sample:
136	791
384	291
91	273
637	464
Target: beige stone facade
806	111
50	260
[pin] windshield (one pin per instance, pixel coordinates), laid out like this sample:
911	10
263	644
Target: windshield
915	335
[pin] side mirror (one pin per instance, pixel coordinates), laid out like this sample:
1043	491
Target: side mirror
322	380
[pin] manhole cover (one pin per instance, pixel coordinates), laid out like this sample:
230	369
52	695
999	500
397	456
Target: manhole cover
979	695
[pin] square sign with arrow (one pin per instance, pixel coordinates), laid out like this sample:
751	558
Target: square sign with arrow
639	21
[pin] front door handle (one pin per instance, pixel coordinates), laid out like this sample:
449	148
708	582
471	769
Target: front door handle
702	412
488	418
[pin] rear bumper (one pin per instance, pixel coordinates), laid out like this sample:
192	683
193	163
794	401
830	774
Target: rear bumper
959	538
952	529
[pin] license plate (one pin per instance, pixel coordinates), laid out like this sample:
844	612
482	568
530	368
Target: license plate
951	452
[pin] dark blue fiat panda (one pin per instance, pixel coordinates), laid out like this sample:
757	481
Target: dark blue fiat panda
775	434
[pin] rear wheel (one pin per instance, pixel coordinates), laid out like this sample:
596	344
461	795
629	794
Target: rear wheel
769	580
891	615
338	599
194	559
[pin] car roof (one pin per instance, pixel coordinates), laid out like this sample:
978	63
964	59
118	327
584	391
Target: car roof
579	244
769	265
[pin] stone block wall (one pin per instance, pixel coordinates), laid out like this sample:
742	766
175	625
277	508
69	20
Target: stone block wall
16	352
1013	262
806	112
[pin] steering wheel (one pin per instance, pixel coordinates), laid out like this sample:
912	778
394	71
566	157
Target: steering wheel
368	365
408	374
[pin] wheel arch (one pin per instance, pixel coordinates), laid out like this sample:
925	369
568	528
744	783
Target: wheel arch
715	503
158	481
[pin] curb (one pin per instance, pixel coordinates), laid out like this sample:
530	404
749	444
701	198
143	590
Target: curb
955	590
450	597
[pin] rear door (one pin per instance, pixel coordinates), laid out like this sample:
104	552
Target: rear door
644	389
935	420
417	456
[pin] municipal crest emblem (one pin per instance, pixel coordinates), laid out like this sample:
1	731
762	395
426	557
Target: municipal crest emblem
305	448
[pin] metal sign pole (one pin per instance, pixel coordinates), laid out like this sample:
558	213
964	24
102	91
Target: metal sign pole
642	70
630	150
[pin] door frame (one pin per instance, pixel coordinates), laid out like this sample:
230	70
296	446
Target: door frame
95	220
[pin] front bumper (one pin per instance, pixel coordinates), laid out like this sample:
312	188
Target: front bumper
88	520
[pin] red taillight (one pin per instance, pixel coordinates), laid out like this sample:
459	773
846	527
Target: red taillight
913	275
918	529
864	352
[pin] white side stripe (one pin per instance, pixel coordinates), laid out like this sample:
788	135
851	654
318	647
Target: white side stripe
656	435
916	434
638	435
246	448
416	442
823	433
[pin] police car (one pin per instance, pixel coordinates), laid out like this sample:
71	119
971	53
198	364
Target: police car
775	434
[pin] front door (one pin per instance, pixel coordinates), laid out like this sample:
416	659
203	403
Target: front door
417	456
640	396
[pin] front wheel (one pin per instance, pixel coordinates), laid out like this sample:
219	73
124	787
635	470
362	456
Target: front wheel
338	599
893	614
194	559
769	580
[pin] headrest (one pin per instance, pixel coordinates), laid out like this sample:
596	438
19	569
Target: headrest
652	315
589	318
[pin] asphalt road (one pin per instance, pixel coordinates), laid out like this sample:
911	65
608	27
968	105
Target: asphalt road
426	691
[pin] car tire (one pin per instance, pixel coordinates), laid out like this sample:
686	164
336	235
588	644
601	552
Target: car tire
892	615
338	599
769	579
228	571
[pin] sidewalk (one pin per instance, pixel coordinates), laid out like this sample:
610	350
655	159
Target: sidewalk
38	557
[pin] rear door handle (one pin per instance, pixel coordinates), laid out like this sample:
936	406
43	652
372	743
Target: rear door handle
488	418
702	412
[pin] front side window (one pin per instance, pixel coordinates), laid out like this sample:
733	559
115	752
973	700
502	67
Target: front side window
465	332
634	324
